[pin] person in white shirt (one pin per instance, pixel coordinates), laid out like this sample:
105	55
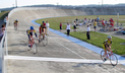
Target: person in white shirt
68	29
88	32
47	26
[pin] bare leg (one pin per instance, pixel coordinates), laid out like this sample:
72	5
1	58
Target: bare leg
106	54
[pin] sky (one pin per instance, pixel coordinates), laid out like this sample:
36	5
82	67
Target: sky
11	3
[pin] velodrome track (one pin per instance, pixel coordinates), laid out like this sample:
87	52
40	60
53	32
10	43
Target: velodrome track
59	56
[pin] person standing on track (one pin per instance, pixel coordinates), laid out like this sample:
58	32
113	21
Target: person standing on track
68	29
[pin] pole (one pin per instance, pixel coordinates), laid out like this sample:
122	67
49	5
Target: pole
16	3
117	19
102	3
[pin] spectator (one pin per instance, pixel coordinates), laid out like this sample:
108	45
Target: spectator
85	21
123	32
2	31
74	26
77	21
68	29
47	26
5	20
103	24
88	32
60	26
111	24
95	25
121	27
98	19
89	21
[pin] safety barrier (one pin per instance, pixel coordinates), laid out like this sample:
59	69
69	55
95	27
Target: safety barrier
3	49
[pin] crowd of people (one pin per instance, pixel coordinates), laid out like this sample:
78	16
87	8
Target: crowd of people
102	24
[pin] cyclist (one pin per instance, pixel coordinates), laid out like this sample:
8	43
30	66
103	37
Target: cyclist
42	30
30	36
15	24
107	46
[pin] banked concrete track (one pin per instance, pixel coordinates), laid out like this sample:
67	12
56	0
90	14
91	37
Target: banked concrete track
59	56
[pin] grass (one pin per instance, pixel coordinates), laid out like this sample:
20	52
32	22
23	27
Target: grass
97	39
3	14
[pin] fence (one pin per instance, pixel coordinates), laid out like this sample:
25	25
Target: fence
3	48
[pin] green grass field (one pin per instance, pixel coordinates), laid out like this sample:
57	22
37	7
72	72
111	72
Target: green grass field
3	14
96	38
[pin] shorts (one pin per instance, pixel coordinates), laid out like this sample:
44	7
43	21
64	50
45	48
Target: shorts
60	28
74	27
31	34
94	27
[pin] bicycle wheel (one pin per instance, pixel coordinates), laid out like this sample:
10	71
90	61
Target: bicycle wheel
113	60
102	55
34	47
45	40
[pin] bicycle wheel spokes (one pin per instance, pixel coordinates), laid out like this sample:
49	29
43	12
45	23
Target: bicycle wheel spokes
113	60
45	41
102	55
34	48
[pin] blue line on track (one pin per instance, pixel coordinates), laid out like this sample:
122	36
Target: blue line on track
79	42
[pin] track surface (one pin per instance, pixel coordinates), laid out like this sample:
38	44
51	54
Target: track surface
58	47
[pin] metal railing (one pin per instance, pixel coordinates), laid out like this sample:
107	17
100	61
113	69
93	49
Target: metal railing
3	49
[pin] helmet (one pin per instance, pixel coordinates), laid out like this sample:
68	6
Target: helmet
31	28
42	21
109	37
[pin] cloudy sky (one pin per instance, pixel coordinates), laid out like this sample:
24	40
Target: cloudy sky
11	3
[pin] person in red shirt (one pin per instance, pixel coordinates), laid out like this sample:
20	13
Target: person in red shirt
103	24
111	24
42	30
60	26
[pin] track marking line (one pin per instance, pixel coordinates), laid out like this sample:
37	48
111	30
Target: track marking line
26	58
71	51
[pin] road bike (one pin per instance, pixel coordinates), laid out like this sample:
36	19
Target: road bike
111	56
34	47
45	40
